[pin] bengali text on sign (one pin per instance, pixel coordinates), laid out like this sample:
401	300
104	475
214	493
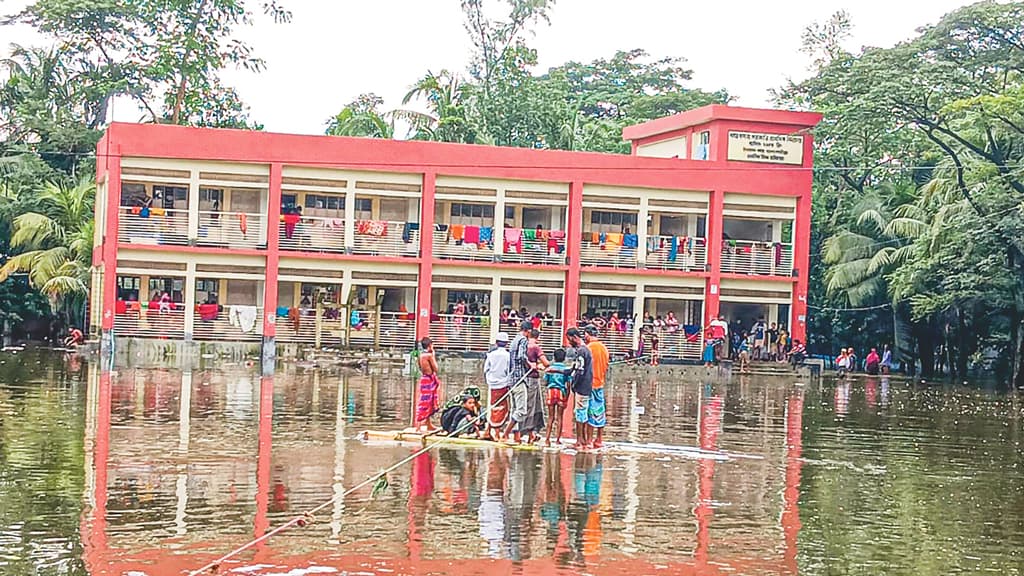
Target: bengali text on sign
772	148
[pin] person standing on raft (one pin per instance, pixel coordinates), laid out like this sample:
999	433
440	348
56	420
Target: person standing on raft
496	373
596	407
429	387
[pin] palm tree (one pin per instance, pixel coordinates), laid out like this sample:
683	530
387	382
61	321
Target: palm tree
446	99
54	245
362	117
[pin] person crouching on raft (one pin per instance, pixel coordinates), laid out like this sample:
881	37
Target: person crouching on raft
429	387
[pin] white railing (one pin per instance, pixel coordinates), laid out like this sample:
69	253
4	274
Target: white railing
462	333
690	253
234	229
313	234
397	330
396	241
160	227
304	334
757	258
449	249
222	328
595	254
147	323
537	252
677	345
618	342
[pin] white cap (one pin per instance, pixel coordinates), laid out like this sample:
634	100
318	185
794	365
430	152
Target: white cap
502	337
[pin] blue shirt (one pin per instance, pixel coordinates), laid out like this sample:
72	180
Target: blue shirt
557	376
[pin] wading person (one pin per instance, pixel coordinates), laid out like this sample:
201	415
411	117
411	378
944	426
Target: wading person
582	386
517	380
533	424
497	366
886	364
557	380
596	414
429	387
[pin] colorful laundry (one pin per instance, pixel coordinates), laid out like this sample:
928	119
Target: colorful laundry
407	229
372	228
243	222
486	235
471	235
456	232
631	241
513	241
208	312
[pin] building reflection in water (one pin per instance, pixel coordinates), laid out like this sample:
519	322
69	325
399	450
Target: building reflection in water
182	466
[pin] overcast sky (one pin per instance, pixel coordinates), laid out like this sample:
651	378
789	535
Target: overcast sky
334	50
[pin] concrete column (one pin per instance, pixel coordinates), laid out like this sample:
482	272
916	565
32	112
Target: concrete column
112	168
350	217
190	300
641	233
574	233
426	260
193	206
499	224
270	275
638	311
714	251
495	310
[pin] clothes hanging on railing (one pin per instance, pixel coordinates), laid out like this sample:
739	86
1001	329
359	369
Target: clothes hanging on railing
407	229
372	228
673	249
440	227
692	332
456	232
778	254
612	242
282	311
630	241
513	241
334	223
471	236
486	235
244	317
243	222
555	244
208	312
295	317
290	221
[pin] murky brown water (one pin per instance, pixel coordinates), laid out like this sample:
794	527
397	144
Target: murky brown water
862	477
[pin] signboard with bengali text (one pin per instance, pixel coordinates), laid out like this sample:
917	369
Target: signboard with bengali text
770	148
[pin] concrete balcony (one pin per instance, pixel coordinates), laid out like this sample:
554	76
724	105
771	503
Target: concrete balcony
676	253
387	239
597	253
158	227
312	234
757	258
231	229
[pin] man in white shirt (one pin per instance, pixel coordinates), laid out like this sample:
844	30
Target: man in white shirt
720	331
497	368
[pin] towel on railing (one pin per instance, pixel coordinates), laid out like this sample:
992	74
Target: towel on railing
612	242
407	232
673	249
440	227
471	235
457	231
208	312
513	240
529	234
692	332
282	311
486	235
295	317
372	227
244	317
157	212
243	222
778	254
290	221
630	241
654	243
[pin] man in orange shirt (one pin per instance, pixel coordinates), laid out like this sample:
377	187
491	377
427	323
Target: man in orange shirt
599	351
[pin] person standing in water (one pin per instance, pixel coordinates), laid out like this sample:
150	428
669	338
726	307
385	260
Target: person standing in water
582	386
886	363
596	415
517	380
429	387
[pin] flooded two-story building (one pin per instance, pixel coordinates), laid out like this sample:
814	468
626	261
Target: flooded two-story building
318	241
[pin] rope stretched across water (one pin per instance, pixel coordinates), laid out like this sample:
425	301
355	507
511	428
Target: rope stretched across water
308	516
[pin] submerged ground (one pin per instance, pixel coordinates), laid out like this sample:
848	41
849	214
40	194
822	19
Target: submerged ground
866	476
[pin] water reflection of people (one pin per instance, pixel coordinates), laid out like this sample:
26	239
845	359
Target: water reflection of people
842	397
583	514
491	513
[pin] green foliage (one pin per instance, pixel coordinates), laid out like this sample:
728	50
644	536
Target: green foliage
922	147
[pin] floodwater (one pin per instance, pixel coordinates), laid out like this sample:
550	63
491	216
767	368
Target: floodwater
158	471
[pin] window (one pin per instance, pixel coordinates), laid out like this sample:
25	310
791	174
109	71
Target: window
313	294
133	194
170	197
475	301
175	287
288	203
128	287
324	206
605	305
472	214
510	213
364	208
702	146
211	199
702	226
207	291
614	222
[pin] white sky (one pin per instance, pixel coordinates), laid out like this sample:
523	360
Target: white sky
334	50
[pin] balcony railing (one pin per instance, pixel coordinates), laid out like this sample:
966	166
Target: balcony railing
232	229
312	234
674	345
160	227
146	323
230	323
676	253
757	258
448	248
605	254
387	239
397	330
545	251
461	333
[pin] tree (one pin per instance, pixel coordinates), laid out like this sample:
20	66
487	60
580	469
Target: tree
362	117
54	245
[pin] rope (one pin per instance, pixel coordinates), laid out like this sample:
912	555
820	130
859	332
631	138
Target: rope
308	517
